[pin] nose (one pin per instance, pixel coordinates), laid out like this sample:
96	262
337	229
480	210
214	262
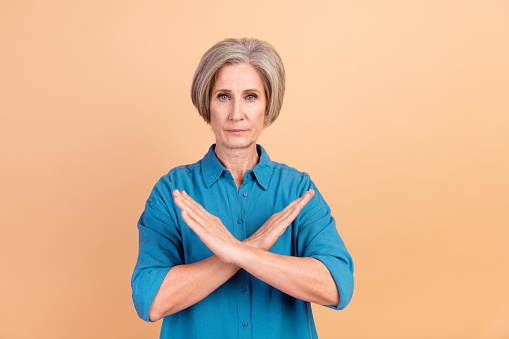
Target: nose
237	110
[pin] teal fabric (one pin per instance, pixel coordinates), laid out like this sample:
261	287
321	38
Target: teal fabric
243	307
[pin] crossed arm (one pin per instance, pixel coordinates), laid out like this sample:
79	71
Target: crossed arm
184	285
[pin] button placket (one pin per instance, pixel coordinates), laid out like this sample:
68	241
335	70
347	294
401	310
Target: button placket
243	295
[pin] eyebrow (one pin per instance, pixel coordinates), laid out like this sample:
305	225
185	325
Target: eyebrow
244	91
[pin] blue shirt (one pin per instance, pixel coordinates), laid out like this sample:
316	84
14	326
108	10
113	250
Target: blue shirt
244	306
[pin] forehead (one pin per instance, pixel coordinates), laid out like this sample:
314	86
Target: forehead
238	76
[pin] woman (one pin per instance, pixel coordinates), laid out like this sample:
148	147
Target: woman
236	245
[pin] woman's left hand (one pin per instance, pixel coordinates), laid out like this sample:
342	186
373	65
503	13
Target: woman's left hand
208	227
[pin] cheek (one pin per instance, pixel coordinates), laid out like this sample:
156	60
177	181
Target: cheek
262	117
213	121
218	111
214	125
215	117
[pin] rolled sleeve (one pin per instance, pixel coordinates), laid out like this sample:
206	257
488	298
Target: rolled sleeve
159	250
318	238
343	277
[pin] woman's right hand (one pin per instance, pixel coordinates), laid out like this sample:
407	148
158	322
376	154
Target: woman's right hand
273	228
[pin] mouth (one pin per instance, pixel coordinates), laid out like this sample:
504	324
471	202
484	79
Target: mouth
236	131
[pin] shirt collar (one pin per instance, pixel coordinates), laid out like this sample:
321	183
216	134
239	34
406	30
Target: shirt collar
212	169
263	170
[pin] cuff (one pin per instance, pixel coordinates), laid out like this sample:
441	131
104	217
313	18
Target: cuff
145	289
343	277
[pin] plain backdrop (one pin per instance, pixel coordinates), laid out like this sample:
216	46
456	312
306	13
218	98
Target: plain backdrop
399	111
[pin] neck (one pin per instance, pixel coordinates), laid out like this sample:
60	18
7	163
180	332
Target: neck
237	160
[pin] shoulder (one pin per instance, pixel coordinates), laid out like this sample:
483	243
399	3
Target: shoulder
292	183
183	172
288	170
289	180
173	179
287	175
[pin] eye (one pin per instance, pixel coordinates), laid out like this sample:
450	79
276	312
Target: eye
251	97
222	96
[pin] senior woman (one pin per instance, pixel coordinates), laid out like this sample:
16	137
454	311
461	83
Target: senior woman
236	245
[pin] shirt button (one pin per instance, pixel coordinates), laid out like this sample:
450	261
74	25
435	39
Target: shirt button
243	289
239	221
244	324
244	194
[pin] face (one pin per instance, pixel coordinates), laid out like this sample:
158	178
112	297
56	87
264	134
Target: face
237	106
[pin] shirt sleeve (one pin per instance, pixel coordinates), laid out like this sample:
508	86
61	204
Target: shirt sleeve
318	238
160	248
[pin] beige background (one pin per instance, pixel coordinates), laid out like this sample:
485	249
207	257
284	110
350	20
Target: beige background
399	111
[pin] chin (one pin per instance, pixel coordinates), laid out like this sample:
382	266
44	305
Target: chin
239	144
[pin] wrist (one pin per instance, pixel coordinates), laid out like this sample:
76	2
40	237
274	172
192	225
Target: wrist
241	251
251	242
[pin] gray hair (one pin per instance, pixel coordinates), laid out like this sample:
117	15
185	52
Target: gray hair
260	54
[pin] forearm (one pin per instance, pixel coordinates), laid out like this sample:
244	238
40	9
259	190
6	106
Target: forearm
303	278
185	285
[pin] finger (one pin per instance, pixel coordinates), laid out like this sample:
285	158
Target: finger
285	213
185	203
208	229
192	223
300	199
297	202
179	200
305	198
195	210
285	216
300	205
288	209
294	212
293	203
186	198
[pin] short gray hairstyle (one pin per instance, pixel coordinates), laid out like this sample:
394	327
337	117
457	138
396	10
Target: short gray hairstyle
260	54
